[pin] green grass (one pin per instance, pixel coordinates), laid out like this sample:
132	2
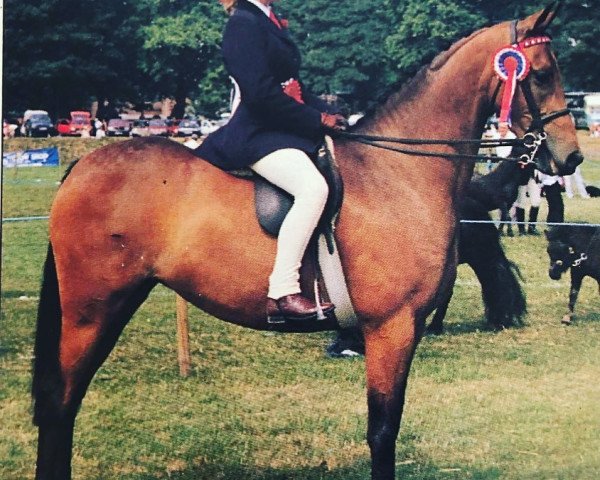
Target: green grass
517	404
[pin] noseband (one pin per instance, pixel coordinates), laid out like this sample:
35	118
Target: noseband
531	141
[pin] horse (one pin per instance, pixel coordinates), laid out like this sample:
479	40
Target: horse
145	211
499	188
578	249
479	247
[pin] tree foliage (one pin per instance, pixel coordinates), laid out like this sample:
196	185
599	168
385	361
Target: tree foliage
58	54
181	45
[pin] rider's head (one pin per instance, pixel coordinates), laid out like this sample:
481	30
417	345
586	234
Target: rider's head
228	5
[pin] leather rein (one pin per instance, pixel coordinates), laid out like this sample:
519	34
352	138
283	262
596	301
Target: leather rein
532	140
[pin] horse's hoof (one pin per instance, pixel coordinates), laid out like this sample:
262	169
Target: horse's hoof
434	330
566	320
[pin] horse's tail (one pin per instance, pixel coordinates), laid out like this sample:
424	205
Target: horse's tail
480	247
503	297
47	385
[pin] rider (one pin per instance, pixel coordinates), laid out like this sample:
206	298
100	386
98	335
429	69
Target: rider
276	130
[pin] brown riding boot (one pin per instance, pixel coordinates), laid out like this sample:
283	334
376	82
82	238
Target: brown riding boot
295	307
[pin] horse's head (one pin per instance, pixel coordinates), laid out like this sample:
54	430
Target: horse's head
539	103
562	254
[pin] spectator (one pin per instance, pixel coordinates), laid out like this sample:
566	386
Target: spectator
530	193
504	133
100	133
192	142
579	184
552	191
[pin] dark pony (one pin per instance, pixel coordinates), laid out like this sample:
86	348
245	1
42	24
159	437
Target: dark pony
576	248
480	248
498	189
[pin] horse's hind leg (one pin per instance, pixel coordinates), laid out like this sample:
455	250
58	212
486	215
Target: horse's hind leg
436	326
71	344
390	347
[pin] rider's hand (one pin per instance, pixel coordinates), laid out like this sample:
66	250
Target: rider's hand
335	122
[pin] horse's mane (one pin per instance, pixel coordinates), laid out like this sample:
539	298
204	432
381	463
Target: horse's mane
403	90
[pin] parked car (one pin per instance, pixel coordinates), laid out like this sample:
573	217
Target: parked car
26	116
575	106
118	128
39	125
189	127
172	127
158	127
139	128
79	122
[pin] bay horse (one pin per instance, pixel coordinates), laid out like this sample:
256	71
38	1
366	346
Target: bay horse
574	248
479	247
146	211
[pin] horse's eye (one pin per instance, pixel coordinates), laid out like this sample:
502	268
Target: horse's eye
542	76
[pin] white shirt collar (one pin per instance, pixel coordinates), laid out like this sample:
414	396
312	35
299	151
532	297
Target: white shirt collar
266	10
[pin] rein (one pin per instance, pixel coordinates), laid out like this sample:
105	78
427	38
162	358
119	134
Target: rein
529	141
532	140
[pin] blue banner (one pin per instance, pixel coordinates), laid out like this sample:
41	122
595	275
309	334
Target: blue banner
41	157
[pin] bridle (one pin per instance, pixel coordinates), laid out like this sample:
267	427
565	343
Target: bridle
531	141
538	120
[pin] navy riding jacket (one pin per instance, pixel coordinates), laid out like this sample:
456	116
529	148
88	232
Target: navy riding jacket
260	57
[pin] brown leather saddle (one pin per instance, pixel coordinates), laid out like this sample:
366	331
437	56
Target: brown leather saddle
272	204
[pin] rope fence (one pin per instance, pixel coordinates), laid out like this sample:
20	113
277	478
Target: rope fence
181	307
494	222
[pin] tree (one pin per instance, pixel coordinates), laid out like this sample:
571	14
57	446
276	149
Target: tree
342	46
426	28
59	53
181	46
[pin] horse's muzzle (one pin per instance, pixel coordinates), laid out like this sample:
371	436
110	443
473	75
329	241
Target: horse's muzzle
571	163
555	272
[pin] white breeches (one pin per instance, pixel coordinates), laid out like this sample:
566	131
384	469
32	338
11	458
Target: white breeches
293	171
535	194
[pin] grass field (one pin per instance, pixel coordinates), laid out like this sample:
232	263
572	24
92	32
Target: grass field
517	404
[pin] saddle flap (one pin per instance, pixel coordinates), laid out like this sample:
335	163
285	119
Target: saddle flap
272	203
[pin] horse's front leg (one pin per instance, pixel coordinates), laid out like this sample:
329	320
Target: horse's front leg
576	280
390	347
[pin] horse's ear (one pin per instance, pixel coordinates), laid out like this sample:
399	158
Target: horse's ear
540	21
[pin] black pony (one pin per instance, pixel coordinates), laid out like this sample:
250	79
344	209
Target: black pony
479	247
498	189
577	248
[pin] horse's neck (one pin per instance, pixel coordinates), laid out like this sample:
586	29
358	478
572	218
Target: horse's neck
447	103
505	173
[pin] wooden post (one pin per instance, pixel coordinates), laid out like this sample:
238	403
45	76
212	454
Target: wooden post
183	340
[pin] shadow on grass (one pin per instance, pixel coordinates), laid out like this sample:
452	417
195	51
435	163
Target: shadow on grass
12	294
359	471
480	325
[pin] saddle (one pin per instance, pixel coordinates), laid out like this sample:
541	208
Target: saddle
321	273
